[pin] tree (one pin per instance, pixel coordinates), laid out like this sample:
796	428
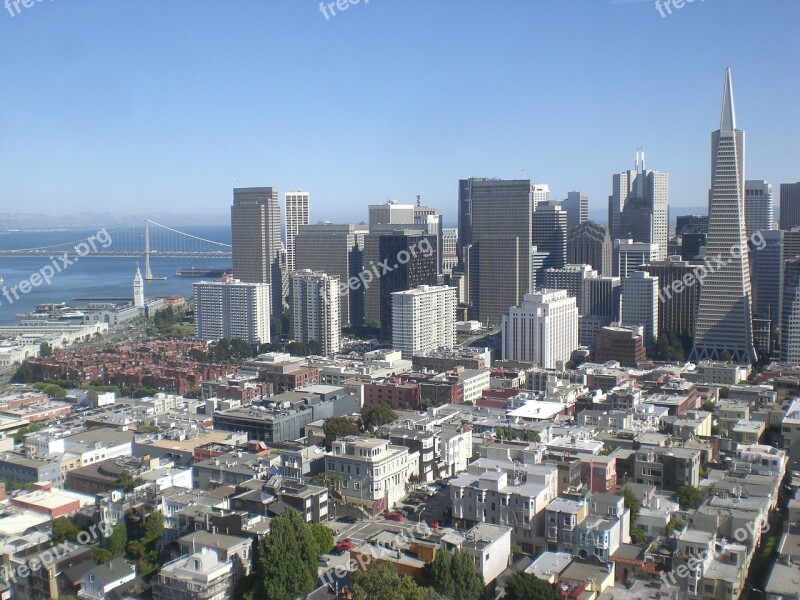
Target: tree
375	415
23	375
708	406
323	536
154	526
64	529
338	427
287	559
382	581
526	586
117	540
297	349
45	349
689	497
725	356
632	503
455	577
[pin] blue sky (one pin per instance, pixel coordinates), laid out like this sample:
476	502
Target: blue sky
164	106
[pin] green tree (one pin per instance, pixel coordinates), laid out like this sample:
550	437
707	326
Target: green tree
382	581
375	415
45	349
455	577
632	503
689	497
526	586
118	540
153	526
338	427
323	536
23	374
241	349
725	356
101	556
287	559
297	349
64	529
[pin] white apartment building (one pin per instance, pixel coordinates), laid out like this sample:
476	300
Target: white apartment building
543	330
375	472
314	299
640	304
424	319
297	214
229	308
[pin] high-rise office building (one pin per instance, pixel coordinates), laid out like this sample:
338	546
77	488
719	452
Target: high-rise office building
601	297
571	278
629	256
449	250
640	304
766	275
590	244
790	322
791	243
410	266
336	250
430	220
542	330
256	240
691	224
230	308
638	207
465	215
423	319
677	310
549	233
500	256
790	205
724	318
758	209
577	207
297	214
391	213
314	301
541	193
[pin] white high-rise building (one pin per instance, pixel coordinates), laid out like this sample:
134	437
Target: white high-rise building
424	319
230	308
759	214
390	213
629	256
138	289
449	249
314	299
577	207
541	193
640	304
297	214
542	330
571	278
724	317
638	207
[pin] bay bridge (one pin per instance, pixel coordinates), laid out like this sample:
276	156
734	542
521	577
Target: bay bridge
152	240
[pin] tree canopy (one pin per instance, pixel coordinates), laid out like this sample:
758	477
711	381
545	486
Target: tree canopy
454	576
689	497
382	581
338	427
375	415
526	586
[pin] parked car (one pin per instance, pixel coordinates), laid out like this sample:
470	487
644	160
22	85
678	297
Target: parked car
347	519
344	546
396	516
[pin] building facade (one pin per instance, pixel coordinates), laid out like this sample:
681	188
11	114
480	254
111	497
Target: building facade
590	243
230	308
297	214
314	300
424	319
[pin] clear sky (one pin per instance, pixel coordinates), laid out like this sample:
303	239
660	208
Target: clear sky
123	106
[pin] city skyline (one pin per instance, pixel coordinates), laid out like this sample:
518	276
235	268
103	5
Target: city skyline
190	146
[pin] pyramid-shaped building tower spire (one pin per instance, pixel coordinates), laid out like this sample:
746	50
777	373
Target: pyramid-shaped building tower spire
728	119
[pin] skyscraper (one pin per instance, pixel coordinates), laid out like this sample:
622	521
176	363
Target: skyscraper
758	210
449	249
790	322
790	205
297	214
590	244
629	256
256	239
766	277
542	330
230	308
500	257
677	311
724	319
577	207
390	213
549	233
337	250
640	304
314	300
571	278
423	319
541	193
638	207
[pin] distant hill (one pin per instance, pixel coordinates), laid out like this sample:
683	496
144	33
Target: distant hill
34	222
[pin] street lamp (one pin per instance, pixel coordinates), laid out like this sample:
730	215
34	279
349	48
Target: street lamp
419	515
